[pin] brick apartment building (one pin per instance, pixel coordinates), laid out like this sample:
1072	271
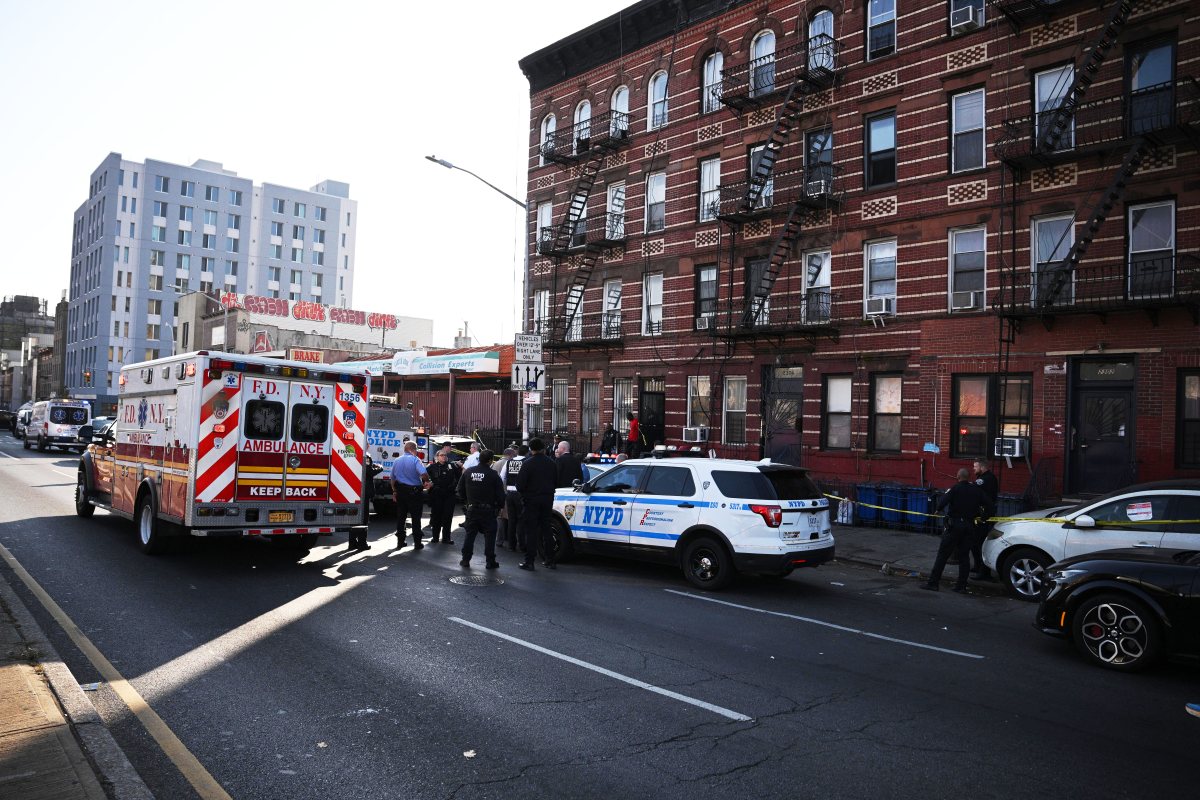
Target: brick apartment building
877	238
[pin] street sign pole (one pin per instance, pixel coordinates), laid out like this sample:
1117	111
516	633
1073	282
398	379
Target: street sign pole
527	348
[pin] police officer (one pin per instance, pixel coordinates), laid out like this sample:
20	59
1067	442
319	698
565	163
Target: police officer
985	479
408	476
570	468
482	493
535	482
444	475
514	534
963	504
608	443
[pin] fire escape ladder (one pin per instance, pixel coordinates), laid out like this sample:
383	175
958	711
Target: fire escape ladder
1058	125
576	213
785	122
1064	271
779	254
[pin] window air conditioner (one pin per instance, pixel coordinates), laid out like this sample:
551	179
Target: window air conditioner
963	19
1009	447
817	188
964	301
879	306
702	323
695	434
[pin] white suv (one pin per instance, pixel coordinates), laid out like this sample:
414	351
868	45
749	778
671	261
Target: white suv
713	517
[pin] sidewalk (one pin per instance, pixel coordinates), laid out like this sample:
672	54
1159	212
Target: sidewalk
47	724
901	553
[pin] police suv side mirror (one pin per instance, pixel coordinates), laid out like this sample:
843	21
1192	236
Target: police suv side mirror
577	485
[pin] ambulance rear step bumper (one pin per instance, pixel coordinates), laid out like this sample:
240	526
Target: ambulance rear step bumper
227	532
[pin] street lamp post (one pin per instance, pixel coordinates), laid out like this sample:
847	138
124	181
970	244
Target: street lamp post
525	273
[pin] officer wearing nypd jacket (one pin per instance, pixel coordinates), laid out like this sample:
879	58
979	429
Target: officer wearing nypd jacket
482	492
536	482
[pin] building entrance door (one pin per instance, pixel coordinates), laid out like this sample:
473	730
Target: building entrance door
782	414
652	408
1102	427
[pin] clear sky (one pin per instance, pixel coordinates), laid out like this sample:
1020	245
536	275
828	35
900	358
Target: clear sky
290	93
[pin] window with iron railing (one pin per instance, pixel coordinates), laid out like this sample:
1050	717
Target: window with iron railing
762	64
710	90
589	406
622	403
656	201
610	320
706	294
652	304
710	188
1051	88
1151	249
821	46
818	298
1151	70
1053	281
575	307
767	194
968	247
560	407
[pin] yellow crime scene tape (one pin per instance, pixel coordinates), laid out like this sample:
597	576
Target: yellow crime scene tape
1099	523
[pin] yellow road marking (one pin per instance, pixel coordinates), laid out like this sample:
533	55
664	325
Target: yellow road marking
189	766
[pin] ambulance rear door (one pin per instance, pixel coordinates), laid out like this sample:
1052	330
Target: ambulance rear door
262	447
306	468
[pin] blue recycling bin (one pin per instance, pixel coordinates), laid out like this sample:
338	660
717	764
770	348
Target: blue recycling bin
917	499
866	493
892	498
1009	504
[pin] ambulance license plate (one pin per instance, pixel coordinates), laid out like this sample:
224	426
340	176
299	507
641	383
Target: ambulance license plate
281	516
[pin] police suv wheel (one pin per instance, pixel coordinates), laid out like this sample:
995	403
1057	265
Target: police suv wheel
706	564
25	442
564	545
82	507
149	529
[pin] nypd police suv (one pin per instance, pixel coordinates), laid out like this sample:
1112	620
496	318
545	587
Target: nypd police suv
712	517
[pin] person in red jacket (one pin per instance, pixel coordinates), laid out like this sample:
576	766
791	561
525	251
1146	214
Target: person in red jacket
633	443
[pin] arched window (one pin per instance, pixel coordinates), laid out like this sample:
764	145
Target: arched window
548	126
656	115
583	125
711	92
820	40
619	116
762	63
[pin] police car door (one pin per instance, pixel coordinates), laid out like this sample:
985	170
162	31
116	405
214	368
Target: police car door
667	505
602	515
306	469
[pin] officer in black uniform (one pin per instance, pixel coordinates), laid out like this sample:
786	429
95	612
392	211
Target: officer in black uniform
445	475
482	493
985	479
536	482
963	504
514	533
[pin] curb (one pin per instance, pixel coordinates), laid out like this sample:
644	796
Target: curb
118	777
991	588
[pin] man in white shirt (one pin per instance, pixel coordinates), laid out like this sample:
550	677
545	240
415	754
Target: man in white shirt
473	459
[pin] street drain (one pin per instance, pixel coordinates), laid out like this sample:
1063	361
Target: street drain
475	580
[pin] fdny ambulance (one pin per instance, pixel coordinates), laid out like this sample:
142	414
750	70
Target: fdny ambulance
217	444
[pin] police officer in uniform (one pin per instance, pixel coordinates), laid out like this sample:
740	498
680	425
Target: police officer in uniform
514	534
445	475
482	493
536	481
985	479
963	504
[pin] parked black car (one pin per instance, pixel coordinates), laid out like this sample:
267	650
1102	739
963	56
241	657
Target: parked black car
1125	609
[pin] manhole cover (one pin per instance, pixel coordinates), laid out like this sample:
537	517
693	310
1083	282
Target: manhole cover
475	580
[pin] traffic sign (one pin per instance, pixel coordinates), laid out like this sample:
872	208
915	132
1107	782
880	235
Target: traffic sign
528	348
529	377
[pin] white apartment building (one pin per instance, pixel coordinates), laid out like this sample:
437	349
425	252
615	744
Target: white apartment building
152	231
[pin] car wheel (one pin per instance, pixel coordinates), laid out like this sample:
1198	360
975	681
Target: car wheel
706	564
25	441
564	544
82	507
41	445
1118	632
1023	572
150	535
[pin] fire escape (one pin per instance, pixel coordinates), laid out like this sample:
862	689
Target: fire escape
801	197
578	242
1133	125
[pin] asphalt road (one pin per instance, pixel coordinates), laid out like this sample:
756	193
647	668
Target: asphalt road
373	676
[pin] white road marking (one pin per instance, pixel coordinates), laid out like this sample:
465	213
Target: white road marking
832	625
6	455
70	475
725	712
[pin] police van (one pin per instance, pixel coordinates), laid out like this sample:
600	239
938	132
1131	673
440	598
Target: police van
712	517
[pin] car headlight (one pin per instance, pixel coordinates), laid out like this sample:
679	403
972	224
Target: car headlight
1064	575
